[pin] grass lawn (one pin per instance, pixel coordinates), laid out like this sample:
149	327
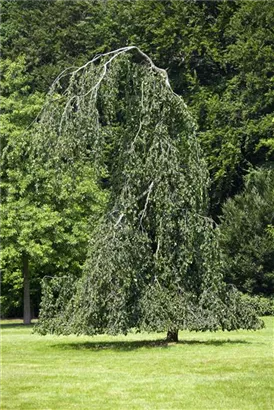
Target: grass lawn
226	371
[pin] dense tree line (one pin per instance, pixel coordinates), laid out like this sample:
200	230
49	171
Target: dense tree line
219	57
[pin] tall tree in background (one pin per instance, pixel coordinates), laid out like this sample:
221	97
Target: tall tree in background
237	130
247	235
44	231
154	261
20	216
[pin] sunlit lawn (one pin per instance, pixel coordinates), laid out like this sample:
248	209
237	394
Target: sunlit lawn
230	371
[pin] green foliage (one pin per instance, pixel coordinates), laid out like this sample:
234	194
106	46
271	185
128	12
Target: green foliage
263	306
51	226
154	261
246	230
19	214
234	109
219	56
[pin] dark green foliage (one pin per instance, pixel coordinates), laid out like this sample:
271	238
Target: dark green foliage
219	56
247	239
263	306
154	261
52	34
229	87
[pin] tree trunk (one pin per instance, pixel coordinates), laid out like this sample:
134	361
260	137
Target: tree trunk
27	312
172	336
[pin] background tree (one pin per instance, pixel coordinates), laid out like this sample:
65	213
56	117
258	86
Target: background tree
247	242
18	109
43	230
154	261
238	125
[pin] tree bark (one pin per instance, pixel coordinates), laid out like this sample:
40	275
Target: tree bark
172	336
27	311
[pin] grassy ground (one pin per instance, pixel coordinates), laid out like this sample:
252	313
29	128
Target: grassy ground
204	371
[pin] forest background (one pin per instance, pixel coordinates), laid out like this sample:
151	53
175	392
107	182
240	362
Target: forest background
219	57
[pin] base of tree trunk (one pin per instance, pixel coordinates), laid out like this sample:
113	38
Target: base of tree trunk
27	311
172	336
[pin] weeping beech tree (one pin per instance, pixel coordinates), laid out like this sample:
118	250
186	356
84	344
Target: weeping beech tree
153	262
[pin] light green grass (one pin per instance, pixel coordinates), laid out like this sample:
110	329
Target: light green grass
226	371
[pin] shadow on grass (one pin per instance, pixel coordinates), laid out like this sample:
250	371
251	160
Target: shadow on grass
16	325
133	345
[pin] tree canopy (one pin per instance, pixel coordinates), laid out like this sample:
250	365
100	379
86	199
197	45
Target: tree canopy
154	261
247	235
